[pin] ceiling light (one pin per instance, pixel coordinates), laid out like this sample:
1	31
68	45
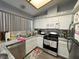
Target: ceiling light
38	3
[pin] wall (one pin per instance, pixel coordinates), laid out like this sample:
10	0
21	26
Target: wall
52	10
76	8
6	7
67	6
59	10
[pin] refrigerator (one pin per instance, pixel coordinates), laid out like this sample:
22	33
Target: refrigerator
73	39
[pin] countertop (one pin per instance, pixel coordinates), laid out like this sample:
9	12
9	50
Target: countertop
3	48
29	38
62	39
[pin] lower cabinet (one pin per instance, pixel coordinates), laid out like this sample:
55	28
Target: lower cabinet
30	44
62	49
33	42
40	42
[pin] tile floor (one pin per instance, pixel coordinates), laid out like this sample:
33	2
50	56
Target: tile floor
40	54
44	55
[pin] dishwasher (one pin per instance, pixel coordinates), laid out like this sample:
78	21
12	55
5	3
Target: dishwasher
17	50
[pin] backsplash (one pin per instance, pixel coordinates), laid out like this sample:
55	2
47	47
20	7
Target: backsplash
63	33
47	30
16	34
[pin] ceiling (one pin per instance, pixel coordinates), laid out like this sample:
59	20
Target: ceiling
26	7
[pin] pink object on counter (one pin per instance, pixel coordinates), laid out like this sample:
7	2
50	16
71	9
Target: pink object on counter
21	39
77	32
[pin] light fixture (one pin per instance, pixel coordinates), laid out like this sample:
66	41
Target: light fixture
38	3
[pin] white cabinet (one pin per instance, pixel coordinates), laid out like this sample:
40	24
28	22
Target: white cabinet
46	23
40	23
62	49
30	44
65	21
40	42
34	42
59	22
52	23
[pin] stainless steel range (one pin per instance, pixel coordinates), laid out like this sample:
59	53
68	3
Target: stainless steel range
50	43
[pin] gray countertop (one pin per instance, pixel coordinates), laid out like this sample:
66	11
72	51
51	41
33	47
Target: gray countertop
4	50
62	39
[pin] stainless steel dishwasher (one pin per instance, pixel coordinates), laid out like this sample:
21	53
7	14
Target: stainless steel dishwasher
17	50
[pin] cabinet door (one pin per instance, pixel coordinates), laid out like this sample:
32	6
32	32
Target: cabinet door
40	23
1	22
45	23
52	23
62	49
65	21
30	45
40	42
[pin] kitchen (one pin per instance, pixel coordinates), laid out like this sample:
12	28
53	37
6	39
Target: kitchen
43	30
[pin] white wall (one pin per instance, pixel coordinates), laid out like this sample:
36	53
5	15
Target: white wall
8	8
76	8
63	9
11	9
67	6
52	10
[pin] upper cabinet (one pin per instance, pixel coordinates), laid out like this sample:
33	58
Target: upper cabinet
65	21
52	23
59	22
46	23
